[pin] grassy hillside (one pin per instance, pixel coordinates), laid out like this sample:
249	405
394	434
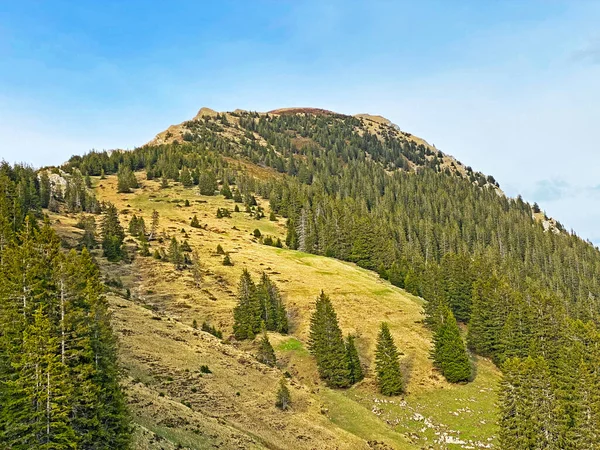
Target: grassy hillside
174	404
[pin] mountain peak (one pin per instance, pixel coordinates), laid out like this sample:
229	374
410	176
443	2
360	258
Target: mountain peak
204	111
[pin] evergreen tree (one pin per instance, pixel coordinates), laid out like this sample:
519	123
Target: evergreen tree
112	233
195	223
266	354
283	400
196	268
273	311
226	191
389	377
154	224
186	177
449	353
207	183
126	179
327	344
175	253
527	406
247	313
353	361
45	189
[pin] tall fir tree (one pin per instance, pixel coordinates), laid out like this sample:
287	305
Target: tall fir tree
247	313
353	361
449	352
387	364
326	343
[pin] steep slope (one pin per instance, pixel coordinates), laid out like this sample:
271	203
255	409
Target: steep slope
233	407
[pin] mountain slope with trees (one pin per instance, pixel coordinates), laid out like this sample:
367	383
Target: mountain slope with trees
309	201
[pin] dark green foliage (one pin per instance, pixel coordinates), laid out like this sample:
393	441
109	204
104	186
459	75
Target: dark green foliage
246	314
164	182
449	352
273	313
528	414
88	240
237	196
356	372
186	177
223	212
112	233
194	222
220	250
226	192
256	233
265	353
207	183
258	305
126	180
175	253
387	364
137	226
326	343
227	260
185	247
204	369
283	399
211	329
55	329
272	217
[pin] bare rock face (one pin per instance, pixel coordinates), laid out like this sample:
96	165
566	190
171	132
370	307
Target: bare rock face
204	111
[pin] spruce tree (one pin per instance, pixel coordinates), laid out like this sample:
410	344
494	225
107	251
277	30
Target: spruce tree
112	233
266	354
326	343
449	353
207	183
387	364
246	314
154	224
175	253
226	191
283	400
353	361
186	178
273	311
528	408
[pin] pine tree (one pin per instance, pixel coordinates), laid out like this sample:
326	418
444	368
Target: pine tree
266	354
527	406
273	311
389	376
175	254
246	314
154	224
207	183
283	400
353	361
196	268
449	353
237	196
194	222
186	178
226	191
112	233
126	179
327	344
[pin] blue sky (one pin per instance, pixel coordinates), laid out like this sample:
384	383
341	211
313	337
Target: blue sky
510	87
